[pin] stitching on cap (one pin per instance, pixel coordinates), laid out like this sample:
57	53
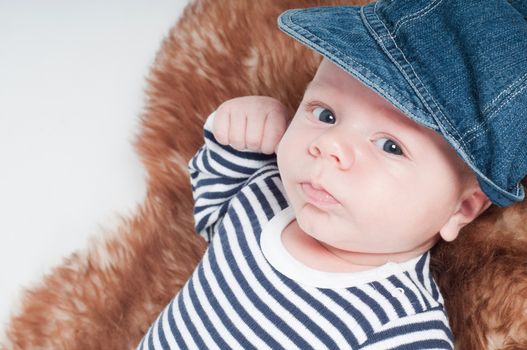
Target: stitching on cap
411	17
384	36
380	42
484	126
510	87
463	145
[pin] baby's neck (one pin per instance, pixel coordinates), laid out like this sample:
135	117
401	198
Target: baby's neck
319	256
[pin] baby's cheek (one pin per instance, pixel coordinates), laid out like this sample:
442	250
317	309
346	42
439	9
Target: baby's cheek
284	151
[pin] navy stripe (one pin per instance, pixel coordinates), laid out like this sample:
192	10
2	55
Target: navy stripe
189	324
420	275
327	314
390	298
424	293
435	290
419	268
230	165
350	309
210	233
204	317
173	327
426	344
263	202
151	337
199	208
193	164
210	181
407	329
207	168
217	308
200	226
161	331
424	296
372	303
269	169
416	304
225	195
277	193
427	302
241	154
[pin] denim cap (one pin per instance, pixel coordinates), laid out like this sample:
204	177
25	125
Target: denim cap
458	67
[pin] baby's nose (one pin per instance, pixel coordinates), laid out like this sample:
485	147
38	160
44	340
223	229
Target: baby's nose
331	149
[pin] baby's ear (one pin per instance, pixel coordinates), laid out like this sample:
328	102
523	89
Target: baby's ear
471	205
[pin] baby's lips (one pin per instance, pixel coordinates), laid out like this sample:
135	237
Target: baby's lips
317	194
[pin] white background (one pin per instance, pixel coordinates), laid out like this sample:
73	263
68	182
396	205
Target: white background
72	75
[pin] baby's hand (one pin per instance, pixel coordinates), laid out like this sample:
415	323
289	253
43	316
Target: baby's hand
252	122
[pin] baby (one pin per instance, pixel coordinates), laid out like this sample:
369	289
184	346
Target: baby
326	244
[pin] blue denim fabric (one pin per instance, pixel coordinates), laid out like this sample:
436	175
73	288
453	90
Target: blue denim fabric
456	66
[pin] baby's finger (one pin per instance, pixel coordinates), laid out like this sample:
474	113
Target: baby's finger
274	129
238	123
220	126
254	131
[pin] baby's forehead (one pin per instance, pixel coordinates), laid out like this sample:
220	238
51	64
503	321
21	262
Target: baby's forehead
345	92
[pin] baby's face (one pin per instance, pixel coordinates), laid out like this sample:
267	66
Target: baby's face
360	175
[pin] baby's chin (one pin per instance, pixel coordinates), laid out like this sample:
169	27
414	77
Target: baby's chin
353	242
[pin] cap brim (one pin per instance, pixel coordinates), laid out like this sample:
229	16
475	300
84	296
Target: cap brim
351	46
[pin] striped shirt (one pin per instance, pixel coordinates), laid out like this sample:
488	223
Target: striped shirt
249	293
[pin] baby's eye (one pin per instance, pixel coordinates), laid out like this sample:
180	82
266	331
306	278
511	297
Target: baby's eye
324	115
389	146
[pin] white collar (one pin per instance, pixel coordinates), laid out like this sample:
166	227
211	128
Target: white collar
279	258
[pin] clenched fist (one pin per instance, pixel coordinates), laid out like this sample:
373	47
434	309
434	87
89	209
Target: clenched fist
255	123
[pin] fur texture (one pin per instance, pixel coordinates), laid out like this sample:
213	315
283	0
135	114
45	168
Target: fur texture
107	296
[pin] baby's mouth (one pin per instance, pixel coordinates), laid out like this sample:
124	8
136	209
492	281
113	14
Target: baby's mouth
317	195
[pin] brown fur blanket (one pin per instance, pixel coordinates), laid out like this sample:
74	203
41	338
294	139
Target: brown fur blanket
106	296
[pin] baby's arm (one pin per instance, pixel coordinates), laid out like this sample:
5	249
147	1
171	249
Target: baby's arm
240	138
